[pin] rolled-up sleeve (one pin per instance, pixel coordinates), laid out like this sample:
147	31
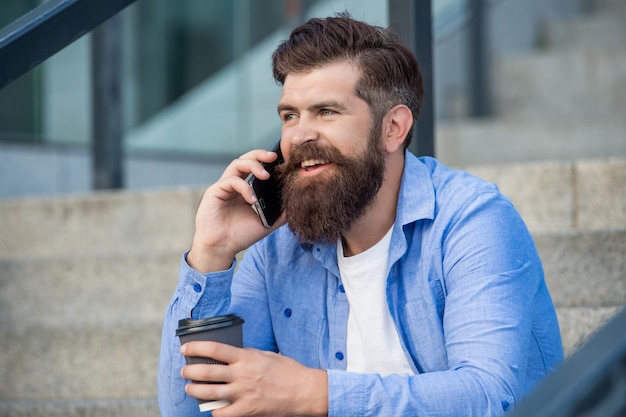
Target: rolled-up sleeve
189	300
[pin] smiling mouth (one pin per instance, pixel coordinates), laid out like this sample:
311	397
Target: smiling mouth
310	163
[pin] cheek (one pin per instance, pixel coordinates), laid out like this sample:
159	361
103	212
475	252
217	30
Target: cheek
350	140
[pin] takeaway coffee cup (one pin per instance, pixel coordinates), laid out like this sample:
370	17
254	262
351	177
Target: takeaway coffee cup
223	329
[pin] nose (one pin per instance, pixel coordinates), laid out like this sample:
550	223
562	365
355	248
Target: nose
301	132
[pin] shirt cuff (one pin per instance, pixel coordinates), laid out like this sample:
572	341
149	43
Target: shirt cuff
193	285
345	398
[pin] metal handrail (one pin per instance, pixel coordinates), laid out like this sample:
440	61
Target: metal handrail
48	28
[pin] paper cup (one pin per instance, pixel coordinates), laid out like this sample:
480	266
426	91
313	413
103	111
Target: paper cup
223	329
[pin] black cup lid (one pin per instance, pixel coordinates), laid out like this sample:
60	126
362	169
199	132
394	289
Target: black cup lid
187	326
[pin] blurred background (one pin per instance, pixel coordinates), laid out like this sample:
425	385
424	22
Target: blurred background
529	94
543	80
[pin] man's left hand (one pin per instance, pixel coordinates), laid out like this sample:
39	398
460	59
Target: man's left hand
256	382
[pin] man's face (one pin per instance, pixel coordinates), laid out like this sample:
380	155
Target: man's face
335	161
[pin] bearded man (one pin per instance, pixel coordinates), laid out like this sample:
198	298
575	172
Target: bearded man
390	286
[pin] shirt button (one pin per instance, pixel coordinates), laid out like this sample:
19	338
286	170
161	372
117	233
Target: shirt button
505	405
339	356
287	312
197	287
341	288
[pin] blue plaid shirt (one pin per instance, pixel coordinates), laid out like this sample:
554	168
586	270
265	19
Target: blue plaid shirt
465	289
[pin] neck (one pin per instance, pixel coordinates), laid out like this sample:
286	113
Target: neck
380	216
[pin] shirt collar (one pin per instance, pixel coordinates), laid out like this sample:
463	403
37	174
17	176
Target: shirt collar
416	200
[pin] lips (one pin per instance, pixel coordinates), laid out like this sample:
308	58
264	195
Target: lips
309	163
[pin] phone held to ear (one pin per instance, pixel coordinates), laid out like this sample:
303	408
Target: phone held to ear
269	199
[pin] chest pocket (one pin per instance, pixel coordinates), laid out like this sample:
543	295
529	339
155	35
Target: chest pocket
298	332
297	300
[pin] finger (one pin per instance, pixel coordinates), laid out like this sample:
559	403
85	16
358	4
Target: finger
218	351
260	155
250	163
209	391
229	188
206	373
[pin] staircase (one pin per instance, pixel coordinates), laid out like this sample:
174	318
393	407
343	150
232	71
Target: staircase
84	281
561	110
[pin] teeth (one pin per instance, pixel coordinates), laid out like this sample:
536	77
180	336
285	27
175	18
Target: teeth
311	162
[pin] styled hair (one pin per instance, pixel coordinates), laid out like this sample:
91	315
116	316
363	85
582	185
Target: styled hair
390	74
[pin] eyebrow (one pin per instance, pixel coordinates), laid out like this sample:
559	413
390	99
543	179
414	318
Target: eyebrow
284	107
324	104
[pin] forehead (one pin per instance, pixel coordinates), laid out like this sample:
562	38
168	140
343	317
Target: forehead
336	80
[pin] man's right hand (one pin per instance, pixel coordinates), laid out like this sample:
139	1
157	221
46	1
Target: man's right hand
225	221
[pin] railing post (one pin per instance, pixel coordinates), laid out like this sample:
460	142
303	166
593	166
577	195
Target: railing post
107	105
478	57
413	20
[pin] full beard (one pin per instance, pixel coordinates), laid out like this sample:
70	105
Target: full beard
322	208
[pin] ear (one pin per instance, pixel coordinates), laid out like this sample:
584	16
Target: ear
396	124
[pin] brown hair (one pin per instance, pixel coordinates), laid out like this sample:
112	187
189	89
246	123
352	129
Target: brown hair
390	74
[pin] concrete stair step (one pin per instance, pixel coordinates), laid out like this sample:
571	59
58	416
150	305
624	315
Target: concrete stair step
78	408
86	291
559	195
602	28
585	268
100	222
550	195
578	324
97	363
568	84
40	367
502	141
612	7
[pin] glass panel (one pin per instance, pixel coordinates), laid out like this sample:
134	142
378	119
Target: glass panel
196	76
447	15
209	63
19	108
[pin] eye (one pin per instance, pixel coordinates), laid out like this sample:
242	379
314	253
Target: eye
288	116
327	112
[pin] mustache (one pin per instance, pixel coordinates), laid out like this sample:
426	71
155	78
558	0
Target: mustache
312	150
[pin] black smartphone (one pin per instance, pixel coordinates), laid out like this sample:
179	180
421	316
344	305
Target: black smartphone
269	199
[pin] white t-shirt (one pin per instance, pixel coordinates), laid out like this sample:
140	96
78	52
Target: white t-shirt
373	345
